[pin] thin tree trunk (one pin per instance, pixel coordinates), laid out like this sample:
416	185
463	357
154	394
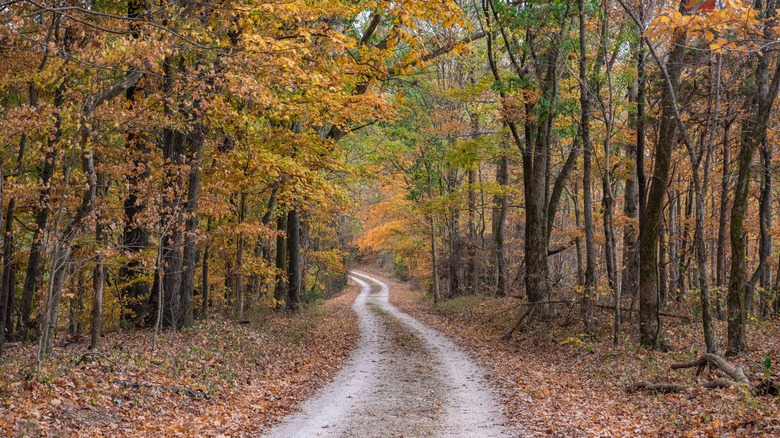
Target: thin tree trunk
293	260
240	260
205	276
280	292
500	204
3	261
765	221
758	111
41	220
589	291
99	275
190	255
630	280
472	272
434	261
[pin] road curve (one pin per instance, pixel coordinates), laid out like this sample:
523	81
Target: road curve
403	379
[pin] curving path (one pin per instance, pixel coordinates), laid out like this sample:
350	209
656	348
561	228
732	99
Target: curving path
404	379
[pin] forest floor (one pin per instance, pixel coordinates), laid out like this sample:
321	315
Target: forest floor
216	379
555	382
403	380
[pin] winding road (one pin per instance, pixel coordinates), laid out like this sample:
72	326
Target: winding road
404	379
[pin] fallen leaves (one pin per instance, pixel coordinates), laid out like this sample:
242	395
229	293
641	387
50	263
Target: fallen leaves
255	373
576	390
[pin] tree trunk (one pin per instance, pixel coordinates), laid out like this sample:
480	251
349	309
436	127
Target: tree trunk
195	151
205	294
99	275
280	292
589	292
239	268
500	204
630	274
758	111
650	331
765	221
3	291
434	261
41	220
293	260
472	271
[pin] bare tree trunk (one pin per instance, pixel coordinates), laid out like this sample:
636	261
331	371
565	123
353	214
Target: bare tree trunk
765	220
205	277
651	334
499	221
293	260
589	292
41	220
190	255
99	275
472	272
3	260
281	258
630	272
240	259
434	261
759	108
673	232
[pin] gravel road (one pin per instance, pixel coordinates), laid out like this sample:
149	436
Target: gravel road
404	379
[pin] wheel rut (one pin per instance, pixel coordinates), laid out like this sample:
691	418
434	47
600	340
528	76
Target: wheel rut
404	379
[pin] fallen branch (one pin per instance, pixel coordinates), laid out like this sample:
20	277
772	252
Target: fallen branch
520	321
629	311
661	388
671	388
175	389
131	384
736	373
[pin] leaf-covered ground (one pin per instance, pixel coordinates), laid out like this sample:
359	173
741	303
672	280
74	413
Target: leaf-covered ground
219	378
554	382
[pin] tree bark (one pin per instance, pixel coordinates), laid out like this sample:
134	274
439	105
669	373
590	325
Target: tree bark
500	204
195	141
765	221
589	291
99	274
280	291
650	331
758	111
41	220
205	294
239	268
293	260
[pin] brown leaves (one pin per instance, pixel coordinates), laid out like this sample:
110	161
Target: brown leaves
255	373
553	390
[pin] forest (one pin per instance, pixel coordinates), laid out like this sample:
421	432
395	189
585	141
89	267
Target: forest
190	190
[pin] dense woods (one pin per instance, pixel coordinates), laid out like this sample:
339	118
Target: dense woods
162	162
614	153
165	162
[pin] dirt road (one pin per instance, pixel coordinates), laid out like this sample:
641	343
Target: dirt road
404	379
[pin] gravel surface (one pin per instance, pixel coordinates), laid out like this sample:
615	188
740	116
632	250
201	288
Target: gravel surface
404	379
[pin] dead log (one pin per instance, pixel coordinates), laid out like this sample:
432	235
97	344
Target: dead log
718	384
736	373
174	389
661	388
